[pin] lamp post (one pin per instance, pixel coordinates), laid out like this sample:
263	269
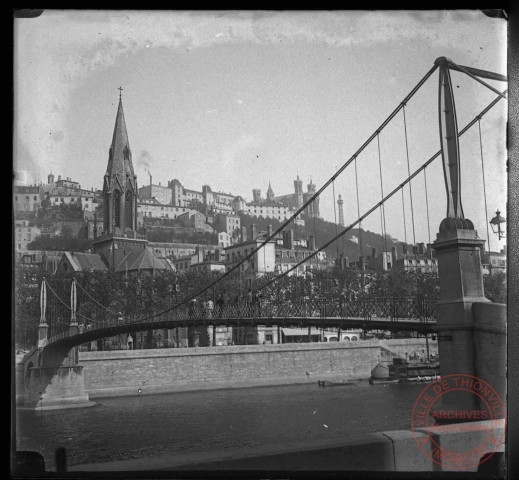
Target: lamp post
496	222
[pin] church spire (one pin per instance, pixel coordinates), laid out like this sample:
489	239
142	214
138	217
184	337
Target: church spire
120	157
120	182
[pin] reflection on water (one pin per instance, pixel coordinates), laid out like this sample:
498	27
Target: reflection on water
144	426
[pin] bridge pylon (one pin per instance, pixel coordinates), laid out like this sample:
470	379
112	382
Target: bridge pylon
43	327
53	377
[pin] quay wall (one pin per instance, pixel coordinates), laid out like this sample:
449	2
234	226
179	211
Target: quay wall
133	372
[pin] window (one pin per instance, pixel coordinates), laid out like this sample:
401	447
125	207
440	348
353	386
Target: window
16	198
27	197
35	198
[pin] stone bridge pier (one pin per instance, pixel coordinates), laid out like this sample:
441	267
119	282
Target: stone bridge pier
471	329
52	376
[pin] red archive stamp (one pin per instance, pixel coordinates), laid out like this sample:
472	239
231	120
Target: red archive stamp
458	438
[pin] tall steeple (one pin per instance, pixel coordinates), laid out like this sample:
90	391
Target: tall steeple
120	181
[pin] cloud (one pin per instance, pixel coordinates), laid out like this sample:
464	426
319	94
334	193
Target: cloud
87	40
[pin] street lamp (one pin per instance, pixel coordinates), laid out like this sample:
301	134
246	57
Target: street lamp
496	222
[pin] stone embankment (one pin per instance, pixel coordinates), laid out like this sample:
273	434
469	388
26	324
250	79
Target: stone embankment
133	372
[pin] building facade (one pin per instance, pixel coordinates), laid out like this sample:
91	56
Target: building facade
26	199
152	208
24	233
163	195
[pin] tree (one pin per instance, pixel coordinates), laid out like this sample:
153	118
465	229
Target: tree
495	287
66	232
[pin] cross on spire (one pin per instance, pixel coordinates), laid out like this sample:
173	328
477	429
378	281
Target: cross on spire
120	91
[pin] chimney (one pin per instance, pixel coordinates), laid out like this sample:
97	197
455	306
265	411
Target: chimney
421	248
415	249
243	234
269	230
253	233
150	183
429	250
373	252
404	248
59	178
394	253
311	242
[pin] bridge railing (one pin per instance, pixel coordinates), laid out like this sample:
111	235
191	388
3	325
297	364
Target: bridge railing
370	308
393	309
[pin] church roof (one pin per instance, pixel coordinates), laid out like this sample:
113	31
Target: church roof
138	260
117	163
85	262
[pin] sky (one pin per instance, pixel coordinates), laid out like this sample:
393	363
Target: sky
238	99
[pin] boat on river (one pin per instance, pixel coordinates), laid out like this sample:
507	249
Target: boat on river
327	383
402	372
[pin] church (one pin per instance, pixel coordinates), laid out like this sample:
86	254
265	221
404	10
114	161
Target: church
119	247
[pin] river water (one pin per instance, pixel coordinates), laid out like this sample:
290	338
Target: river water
146	426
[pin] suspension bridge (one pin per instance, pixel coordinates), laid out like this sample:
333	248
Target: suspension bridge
61	318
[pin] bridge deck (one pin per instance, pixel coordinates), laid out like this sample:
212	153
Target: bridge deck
374	323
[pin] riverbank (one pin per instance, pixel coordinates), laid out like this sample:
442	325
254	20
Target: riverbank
142	372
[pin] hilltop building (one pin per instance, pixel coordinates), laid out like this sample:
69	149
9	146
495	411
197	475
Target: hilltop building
68	191
173	197
296	200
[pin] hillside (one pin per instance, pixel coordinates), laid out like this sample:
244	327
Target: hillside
324	231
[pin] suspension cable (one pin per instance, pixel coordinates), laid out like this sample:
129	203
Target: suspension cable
403	213
358	211
427	205
484	185
68	307
382	207
409	173
316	195
309	257
335	218
370	211
315	237
358	221
92	298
